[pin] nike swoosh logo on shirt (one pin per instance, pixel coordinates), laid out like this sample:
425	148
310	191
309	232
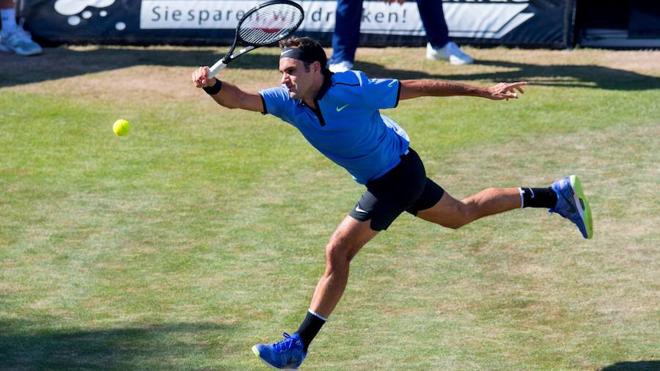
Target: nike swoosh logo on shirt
339	109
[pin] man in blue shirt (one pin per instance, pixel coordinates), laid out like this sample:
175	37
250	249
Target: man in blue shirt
339	115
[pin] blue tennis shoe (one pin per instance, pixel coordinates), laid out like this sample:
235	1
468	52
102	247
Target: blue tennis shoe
288	353
572	204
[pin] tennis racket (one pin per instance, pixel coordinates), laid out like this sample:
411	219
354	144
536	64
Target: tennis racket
263	25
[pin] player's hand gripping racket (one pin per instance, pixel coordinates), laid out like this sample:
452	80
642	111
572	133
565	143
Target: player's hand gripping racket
263	25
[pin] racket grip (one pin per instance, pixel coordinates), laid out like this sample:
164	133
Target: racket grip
216	68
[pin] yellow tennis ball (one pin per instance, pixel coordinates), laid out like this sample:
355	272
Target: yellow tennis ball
120	127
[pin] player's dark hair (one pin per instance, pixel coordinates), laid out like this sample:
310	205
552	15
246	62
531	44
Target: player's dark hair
311	48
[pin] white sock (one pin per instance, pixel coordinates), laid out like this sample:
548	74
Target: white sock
8	19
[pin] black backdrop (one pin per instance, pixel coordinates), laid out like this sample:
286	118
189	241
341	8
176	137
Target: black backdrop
527	23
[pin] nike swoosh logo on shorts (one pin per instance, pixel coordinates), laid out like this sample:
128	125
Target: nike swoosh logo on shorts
339	109
360	210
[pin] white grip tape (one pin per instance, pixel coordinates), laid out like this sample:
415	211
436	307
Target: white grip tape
216	68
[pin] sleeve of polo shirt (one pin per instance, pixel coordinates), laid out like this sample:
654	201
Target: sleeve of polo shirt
275	101
380	93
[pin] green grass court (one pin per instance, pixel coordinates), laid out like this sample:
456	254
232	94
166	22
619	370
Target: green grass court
202	232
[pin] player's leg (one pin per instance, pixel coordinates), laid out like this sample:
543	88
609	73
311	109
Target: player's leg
452	213
565	197
346	241
385	199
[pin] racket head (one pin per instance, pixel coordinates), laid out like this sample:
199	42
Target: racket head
269	22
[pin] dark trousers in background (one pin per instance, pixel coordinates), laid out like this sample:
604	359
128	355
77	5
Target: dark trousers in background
347	27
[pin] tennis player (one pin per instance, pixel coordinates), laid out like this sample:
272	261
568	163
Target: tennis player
339	115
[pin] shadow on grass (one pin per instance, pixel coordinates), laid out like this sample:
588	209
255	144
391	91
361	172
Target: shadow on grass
634	366
580	76
62	62
151	347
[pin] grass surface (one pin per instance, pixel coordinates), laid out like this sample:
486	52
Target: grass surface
202	232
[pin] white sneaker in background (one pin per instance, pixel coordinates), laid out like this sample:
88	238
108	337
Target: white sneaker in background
342	66
20	42
450	52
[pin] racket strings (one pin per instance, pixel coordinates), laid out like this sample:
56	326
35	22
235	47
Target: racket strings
270	24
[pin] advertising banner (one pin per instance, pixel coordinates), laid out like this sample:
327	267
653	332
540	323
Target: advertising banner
546	23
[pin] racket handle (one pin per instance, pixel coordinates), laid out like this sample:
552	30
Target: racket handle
216	68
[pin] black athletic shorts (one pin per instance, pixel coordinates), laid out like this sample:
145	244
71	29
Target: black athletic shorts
404	188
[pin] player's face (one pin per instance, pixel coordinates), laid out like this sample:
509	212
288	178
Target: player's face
297	79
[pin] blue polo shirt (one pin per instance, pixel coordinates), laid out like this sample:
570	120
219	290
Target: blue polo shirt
347	126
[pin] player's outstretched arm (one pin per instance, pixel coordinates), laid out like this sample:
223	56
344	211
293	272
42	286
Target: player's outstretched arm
229	95
440	88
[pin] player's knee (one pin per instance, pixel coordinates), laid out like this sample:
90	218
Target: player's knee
470	209
337	256
462	215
